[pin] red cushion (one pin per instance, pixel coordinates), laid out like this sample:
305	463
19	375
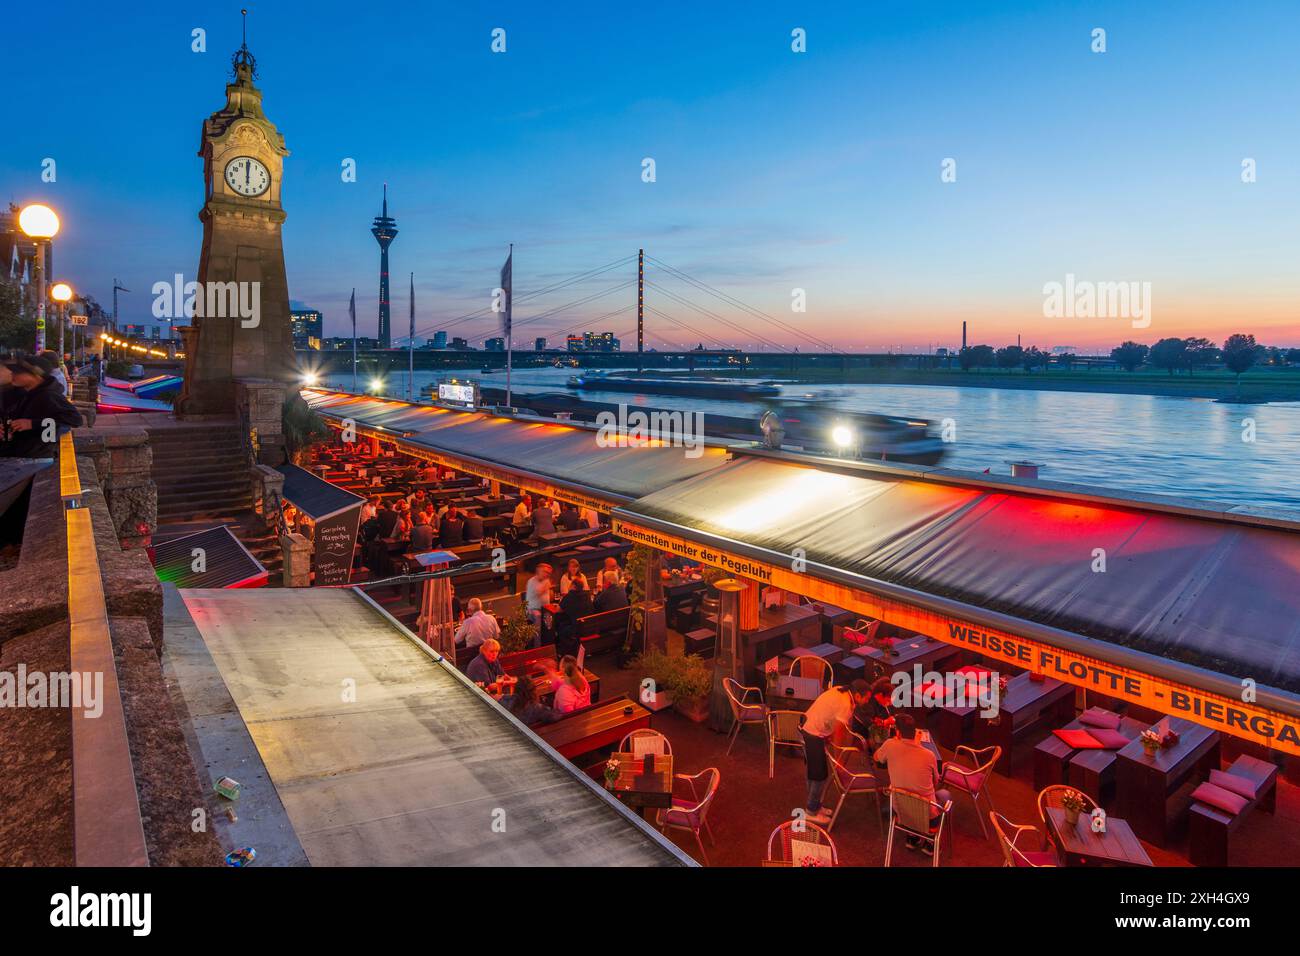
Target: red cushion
1098	717
970	782
1225	800
1109	739
973	670
1234	784
1079	739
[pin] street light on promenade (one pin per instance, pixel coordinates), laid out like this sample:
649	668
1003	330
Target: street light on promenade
41	224
61	293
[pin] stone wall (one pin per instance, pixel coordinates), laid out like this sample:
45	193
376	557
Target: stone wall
123	464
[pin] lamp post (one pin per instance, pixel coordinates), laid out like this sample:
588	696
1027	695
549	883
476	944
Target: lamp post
61	293
40	223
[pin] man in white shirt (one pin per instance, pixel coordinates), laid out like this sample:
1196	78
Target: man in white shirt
611	573
523	512
590	517
537	595
834	706
478	626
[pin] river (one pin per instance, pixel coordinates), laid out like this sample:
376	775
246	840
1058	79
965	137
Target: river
1142	443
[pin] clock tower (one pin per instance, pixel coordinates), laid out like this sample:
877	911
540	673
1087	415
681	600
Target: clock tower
241	328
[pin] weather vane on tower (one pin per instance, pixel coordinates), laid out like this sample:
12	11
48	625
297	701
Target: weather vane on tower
243	57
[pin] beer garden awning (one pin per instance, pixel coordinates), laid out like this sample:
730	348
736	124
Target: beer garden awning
1192	615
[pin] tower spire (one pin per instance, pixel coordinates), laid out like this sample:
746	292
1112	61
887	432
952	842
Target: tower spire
384	229
243	56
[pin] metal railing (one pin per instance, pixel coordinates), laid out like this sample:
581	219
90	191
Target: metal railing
107	830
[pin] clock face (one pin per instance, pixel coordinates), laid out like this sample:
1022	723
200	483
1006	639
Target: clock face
247	176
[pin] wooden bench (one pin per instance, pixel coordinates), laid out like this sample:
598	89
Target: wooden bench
594	727
603	631
1210	827
1093	771
533	662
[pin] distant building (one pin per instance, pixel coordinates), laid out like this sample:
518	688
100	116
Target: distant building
497	344
539	345
459	343
574	343
343	342
1064	350
600	342
439	340
308	324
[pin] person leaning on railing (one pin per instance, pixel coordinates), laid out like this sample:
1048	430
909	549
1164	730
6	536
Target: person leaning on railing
34	412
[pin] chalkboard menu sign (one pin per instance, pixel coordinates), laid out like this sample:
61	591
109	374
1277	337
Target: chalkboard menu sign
335	537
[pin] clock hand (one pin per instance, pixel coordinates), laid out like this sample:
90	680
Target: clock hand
248	165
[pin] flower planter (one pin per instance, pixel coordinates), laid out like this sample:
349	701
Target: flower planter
657	702
1071	817
695	709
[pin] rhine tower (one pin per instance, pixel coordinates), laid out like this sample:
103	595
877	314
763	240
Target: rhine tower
385	231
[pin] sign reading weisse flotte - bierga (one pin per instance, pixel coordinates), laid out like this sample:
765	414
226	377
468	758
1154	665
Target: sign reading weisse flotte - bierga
1239	717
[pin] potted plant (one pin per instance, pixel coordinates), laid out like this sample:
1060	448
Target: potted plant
1150	742
1072	803
517	632
692	681
638	560
611	771
658	670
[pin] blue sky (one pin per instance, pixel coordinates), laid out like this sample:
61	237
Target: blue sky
775	170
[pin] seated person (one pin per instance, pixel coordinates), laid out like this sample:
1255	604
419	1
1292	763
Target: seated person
611	572
874	720
572	692
570	520
486	668
912	766
478	626
523	703
573	606
543	519
473	526
451	532
611	597
429	472
590	517
571	574
387	521
523	515
417	500
369	510
421	534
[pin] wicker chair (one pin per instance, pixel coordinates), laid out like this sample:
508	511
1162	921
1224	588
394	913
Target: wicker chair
782	731
666	747
973	780
806	832
693	814
849	781
743	710
1009	835
911	812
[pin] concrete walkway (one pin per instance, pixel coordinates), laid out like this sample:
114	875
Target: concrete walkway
383	757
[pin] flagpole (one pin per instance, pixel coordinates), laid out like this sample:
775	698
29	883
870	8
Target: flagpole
352	310
410	348
510	294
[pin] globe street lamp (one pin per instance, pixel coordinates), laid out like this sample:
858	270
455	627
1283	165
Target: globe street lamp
61	293
41	224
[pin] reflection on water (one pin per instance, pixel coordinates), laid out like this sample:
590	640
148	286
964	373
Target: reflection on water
1150	444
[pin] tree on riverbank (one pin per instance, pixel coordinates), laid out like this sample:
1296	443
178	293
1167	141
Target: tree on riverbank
1129	355
1239	354
1168	354
977	356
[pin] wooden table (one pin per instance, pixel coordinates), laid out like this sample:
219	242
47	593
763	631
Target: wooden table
1118	846
834	621
1093	771
1024	703
910	651
641	790
1144	785
778	628
598	726
804	690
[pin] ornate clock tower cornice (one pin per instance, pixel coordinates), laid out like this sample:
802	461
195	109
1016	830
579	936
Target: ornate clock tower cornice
242	258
